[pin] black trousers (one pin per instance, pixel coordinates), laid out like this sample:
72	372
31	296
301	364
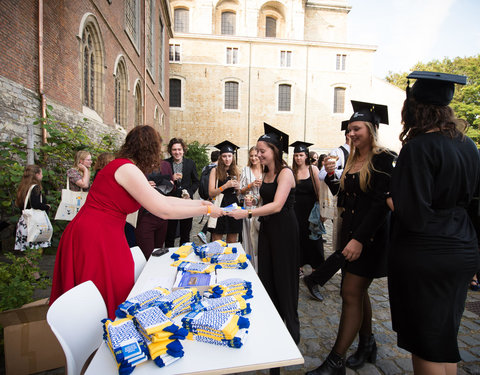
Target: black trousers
185	229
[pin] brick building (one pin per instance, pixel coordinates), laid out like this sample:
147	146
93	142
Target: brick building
103	60
237	63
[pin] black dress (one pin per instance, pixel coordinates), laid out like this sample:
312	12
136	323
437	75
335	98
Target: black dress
278	257
227	224
311	251
434	251
366	217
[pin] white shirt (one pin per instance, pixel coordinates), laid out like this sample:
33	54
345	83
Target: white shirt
340	162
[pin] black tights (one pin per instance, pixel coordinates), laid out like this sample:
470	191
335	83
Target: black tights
356	312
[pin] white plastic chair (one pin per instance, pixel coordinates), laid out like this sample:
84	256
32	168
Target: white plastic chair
139	260
75	319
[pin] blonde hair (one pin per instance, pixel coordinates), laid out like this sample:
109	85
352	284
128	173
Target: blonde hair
29	178
367	167
79	156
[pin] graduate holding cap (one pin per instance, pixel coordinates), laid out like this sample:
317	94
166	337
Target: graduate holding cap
362	250
306	194
224	182
278	246
434	251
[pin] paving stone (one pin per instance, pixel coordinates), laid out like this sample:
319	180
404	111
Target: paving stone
388	367
405	364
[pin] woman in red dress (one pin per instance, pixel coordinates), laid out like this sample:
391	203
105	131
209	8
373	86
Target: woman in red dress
93	246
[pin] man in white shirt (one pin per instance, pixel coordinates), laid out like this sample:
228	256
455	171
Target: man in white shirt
342	152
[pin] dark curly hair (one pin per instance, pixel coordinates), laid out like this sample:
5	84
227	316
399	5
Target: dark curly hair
419	118
174	141
142	146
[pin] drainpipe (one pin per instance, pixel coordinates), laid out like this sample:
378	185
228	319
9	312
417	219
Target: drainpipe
306	99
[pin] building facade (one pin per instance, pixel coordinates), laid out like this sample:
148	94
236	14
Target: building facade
103	60
235	64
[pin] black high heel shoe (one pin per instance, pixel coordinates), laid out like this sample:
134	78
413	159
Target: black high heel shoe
333	365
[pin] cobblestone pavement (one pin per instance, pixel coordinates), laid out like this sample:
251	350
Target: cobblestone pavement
319	323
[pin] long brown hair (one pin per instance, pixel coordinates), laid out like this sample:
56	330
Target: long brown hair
419	118
143	146
29	178
367	167
102	160
232	171
295	165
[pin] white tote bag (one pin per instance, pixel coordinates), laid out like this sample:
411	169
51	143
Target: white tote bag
71	203
39	227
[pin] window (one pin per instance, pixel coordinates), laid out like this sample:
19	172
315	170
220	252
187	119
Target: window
232	55
285	58
138	105
174	55
270	27
175	93
339	100
92	72
180	23
284	97
341	59
132	20
149	37
228	23
121	94
231	95
161	53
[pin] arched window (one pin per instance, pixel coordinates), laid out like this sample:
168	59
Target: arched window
138	105
339	100
175	92
92	68
228	23
180	20
121	94
270	27
231	95
284	97
132	20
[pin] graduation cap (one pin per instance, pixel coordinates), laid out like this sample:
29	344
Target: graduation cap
433	87
227	146
276	137
373	113
345	125
300	146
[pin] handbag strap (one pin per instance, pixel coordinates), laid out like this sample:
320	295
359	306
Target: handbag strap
313	182
27	198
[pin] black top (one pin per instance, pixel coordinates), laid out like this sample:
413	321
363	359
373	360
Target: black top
36	201
434	181
268	190
190	179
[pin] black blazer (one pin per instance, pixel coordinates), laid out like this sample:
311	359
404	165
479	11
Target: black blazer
190	179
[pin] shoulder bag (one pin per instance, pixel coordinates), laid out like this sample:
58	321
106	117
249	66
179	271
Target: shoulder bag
39	227
70	203
316	226
217	201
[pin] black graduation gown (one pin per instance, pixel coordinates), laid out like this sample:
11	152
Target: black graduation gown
434	249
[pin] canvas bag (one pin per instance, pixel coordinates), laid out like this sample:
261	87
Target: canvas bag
217	201
70	203
39	227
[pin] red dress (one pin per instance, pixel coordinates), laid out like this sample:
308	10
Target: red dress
93	246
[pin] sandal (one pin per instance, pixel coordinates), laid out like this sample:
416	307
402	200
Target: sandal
475	285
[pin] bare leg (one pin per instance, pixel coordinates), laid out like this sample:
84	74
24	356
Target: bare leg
424	367
354	292
216	236
232	237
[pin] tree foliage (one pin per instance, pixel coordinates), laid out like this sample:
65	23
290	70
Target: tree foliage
199	154
466	101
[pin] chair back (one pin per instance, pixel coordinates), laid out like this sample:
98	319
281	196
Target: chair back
75	319
139	260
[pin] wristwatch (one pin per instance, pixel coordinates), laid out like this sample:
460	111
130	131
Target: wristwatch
249	214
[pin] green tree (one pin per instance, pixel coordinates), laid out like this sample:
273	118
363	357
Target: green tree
199	154
466	101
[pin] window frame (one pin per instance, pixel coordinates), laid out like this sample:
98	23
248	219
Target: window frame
234	56
286	63
278	99
234	16
337	89
180	52
186	22
151	38
237	83
340	62
135	39
181	93
266	26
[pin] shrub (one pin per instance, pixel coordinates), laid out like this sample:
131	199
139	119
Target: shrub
199	154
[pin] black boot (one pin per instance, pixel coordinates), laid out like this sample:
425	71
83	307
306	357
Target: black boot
333	365
366	351
312	288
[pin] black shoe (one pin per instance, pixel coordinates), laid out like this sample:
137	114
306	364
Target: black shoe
333	365
366	351
312	288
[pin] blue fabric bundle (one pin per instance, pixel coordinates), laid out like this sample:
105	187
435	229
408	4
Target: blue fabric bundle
178	301
161	335
230	287
126	344
183	251
231	304
132	305
233	261
195	267
237	342
214	248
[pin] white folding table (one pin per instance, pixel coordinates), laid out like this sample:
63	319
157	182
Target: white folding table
268	344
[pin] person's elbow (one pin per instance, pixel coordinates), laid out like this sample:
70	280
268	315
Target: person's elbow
82	184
